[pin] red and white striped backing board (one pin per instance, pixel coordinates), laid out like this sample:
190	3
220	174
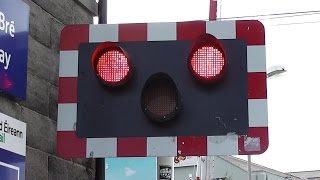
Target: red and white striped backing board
255	142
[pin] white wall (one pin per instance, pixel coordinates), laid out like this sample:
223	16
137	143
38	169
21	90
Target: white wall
225	169
182	173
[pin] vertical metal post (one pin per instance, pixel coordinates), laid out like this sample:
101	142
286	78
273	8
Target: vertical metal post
198	169
213	10
100	162
100	169
102	11
249	167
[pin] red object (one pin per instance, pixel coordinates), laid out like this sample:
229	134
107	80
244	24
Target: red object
207	60
67	90
113	66
251	31
132	147
190	30
257	85
213	10
133	32
192	145
69	145
71	36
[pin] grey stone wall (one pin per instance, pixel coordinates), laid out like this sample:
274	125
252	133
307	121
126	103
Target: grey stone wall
39	111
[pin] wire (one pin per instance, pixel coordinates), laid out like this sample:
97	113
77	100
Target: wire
289	16
293	14
278	16
287	24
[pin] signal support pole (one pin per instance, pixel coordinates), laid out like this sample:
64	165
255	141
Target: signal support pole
100	162
102	11
249	167
213	10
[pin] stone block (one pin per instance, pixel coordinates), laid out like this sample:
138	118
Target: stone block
53	102
60	9
43	62
90	5
36	164
89	162
39	24
56	28
81	16
41	131
60	169
37	95
9	107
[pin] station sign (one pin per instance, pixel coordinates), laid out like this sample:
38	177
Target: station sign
14	30
12	148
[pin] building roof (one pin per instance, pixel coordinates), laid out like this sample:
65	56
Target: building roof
256	167
314	175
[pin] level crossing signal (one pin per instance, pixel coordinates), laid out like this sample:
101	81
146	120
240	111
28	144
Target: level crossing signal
163	89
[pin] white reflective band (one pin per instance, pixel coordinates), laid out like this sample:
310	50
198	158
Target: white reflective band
162	31
103	33
258	112
67	117
101	147
256	58
68	64
161	146
222	29
222	145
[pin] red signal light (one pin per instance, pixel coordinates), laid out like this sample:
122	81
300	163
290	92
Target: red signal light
111	64
207	61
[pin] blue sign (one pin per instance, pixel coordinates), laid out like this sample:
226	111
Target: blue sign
14	29
12	166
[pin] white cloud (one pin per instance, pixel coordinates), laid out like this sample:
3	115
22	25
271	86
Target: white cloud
129	172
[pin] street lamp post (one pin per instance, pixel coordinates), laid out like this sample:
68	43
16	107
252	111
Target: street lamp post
273	71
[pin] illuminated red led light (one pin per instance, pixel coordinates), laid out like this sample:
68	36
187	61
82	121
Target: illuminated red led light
207	60
113	66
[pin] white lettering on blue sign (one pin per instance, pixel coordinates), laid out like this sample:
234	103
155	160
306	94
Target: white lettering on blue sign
5	58
6	26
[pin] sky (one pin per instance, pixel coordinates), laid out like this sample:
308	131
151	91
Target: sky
293	98
131	168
